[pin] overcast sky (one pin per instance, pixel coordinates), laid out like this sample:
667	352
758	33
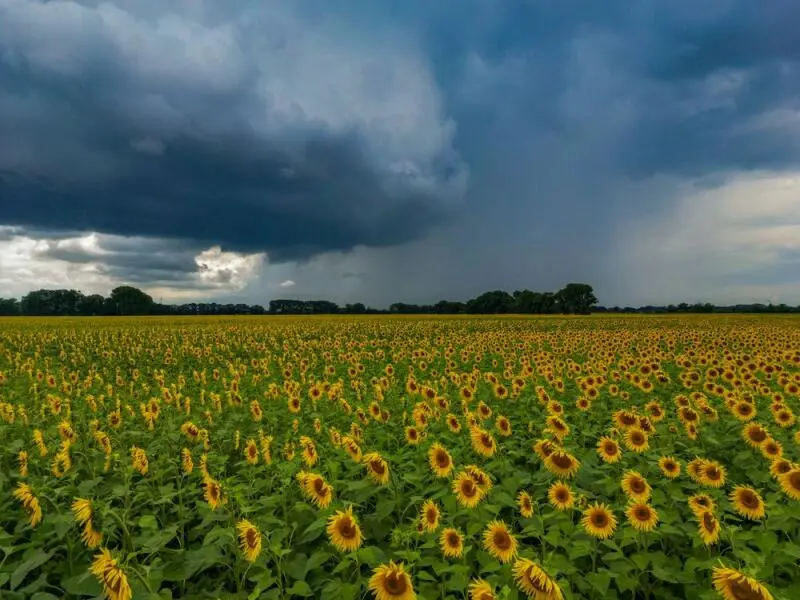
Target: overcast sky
401	151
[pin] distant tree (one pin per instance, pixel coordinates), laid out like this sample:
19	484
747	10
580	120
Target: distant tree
577	298
51	303
93	305
9	307
128	300
491	303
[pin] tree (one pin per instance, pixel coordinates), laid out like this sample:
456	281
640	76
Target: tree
577	298
128	300
9	307
491	303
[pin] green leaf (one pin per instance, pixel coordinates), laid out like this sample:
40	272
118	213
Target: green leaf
301	588
81	585
38	558
599	581
44	596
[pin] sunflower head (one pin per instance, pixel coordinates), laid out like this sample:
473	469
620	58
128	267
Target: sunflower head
599	521
499	541
534	582
642	516
735	585
343	530
451	542
560	496
747	502
391	582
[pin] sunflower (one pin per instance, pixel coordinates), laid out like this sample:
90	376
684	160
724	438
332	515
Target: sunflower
642	516
560	496
82	510
310	456
608	450
734	585
377	468
251	452
453	423
712	474
534	582
744	411
480	589
466	490
557	426
695	469
669	466
779	466
391	582
636	440
525	504
708	527
90	536
562	463
483	410
599	521
747	502
413	435
481	478
316	488
212	492
452	542
429	515
440	460
790	483
29	502
503	426
249	540
636	487
700	503
771	448
544	448
499	542
187	465
111	576
483	442
343	530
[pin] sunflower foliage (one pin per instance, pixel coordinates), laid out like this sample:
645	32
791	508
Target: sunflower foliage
400	458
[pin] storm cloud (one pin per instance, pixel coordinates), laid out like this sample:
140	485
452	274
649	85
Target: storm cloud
406	150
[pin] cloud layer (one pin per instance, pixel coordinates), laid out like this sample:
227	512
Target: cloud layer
403	151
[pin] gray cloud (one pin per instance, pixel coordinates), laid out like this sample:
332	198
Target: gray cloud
262	127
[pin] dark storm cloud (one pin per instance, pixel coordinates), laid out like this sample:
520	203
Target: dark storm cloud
93	144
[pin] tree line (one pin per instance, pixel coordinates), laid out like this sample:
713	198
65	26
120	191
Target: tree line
574	298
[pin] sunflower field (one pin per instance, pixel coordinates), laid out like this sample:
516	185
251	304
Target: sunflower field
400	458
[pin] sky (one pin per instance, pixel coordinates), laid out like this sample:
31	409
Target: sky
408	151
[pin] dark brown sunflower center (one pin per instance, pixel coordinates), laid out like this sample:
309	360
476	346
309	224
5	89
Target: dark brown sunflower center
377	467
442	459
709	522
642	513
502	540
794	480
712	473
748	499
319	486
431	515
610	448
468	488
637	438
396	584
562	461
637	486
486	440
562	495
453	540
741	591
346	528
599	519
251	538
